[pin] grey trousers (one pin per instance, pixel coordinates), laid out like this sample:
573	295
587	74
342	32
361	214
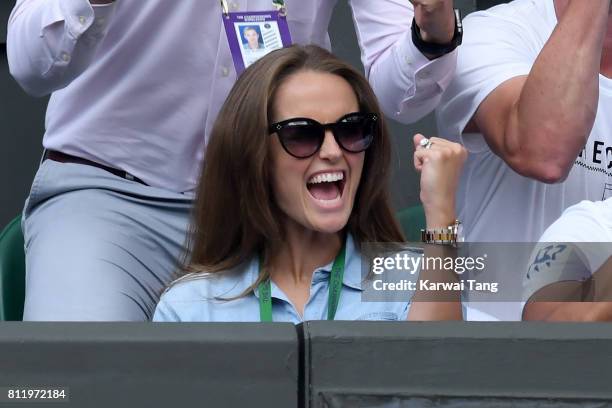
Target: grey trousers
99	247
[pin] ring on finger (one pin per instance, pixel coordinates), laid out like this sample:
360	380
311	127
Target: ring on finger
426	143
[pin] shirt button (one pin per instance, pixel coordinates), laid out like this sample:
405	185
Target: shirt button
100	21
225	71
65	56
82	20
234	6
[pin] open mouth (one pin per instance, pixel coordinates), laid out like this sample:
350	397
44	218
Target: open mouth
327	186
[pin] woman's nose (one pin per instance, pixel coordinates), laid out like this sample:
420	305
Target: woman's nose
330	150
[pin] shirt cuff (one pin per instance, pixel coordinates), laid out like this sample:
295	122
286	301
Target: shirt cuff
421	71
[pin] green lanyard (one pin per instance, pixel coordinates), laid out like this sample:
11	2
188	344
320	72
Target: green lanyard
335	288
278	4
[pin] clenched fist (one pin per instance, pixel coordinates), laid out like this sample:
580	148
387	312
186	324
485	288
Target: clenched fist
440	166
436	20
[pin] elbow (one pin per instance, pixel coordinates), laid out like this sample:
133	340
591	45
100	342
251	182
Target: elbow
406	116
545	171
552	167
35	84
551	173
31	83
30	87
545	153
407	111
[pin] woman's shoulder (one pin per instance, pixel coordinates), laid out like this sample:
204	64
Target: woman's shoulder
199	285
199	291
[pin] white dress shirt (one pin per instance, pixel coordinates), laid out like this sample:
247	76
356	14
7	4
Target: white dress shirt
137	84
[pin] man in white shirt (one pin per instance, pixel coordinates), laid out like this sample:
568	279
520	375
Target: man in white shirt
136	86
574	249
531	101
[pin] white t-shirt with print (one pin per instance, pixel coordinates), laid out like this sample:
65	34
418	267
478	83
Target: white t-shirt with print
495	203
573	248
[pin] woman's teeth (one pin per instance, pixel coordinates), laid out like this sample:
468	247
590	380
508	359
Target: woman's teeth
326	186
326	178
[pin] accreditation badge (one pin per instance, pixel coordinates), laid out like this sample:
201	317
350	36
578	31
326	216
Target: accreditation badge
253	35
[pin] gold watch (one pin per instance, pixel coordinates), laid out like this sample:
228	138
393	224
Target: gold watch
451	235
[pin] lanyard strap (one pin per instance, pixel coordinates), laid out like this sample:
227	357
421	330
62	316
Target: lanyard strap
278	4
335	288
265	300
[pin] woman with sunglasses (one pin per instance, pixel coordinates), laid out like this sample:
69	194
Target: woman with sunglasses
295	181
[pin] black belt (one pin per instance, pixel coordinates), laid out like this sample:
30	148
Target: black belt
66	158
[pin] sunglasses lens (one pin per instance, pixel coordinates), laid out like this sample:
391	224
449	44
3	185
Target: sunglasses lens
355	134
301	140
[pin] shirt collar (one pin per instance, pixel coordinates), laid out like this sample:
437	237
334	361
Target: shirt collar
352	267
351	277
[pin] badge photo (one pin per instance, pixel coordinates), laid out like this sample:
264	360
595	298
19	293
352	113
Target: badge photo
251	36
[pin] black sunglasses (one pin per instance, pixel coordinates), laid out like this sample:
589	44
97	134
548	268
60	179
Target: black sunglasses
303	137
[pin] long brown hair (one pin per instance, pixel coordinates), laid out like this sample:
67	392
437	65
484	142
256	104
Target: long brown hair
235	216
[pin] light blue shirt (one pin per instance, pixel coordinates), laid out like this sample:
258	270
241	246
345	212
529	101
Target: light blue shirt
194	298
